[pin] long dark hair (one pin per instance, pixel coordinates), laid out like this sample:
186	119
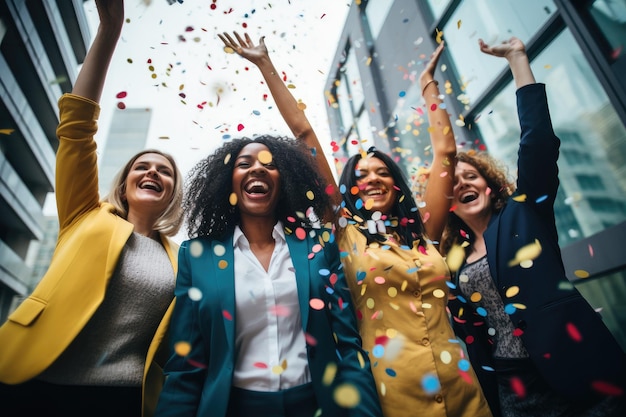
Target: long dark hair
209	185
405	216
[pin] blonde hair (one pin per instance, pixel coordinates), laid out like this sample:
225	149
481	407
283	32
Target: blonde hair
171	219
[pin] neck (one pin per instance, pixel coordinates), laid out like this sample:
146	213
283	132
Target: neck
258	230
144	225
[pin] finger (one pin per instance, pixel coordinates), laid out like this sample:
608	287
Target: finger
262	41
248	39
230	40
240	40
223	39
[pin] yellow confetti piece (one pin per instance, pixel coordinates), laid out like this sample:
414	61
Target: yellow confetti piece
359	356
458	24
519	306
265	157
347	395
277	369
310	195
476	297
291	86
369	61
526	253
369	203
229	50
6	131
329	373
222	264
580	273
392	292
370	303
512	291
438	293
182	348
232	199
520	198
455	258
301	106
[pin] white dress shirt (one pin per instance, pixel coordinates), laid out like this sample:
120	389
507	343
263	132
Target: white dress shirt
270	344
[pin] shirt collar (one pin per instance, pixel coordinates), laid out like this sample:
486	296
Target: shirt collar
240	239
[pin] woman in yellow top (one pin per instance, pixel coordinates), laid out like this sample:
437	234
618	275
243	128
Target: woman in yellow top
86	341
397	277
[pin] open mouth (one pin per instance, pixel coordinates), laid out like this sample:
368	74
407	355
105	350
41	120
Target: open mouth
468	197
150	185
257	187
375	191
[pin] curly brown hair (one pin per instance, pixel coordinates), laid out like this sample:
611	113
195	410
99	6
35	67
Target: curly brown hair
495	174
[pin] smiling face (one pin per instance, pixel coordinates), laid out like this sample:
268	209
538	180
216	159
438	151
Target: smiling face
471	194
149	185
256	181
376	185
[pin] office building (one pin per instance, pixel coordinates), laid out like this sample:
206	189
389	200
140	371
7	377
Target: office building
42	44
576	48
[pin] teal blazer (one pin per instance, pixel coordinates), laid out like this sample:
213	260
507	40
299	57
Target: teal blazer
198	383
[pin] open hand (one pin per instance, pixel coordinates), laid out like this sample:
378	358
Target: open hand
245	47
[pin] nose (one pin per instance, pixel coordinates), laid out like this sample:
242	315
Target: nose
153	172
258	168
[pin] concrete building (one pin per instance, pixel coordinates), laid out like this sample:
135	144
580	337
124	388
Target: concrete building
576	48
42	44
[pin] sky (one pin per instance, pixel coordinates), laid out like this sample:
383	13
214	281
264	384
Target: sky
170	59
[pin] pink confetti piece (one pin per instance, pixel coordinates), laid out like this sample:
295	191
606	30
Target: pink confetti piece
227	315
121	94
316	304
240	127
606	388
260	365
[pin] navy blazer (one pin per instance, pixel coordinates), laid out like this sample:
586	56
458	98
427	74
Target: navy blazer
564	336
199	383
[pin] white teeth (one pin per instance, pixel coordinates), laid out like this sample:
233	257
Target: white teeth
257	187
150	185
377	191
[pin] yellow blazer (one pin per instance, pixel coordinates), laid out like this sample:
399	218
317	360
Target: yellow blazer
91	239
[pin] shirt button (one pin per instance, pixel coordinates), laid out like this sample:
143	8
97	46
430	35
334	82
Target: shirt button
417	293
425	341
438	398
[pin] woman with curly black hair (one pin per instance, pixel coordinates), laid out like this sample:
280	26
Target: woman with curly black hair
263	323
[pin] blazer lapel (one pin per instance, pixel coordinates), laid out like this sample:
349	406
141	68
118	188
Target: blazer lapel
223	274
299	251
491	243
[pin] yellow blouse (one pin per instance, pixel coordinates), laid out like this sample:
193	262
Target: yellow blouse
400	295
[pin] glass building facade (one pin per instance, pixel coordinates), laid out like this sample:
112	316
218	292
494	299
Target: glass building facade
576	48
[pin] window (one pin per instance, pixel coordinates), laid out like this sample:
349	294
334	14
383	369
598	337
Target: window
593	140
493	21
376	12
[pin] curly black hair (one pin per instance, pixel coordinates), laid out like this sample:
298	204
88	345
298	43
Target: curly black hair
209	185
409	225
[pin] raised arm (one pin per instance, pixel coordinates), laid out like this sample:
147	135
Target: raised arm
438	192
515	53
286	103
90	80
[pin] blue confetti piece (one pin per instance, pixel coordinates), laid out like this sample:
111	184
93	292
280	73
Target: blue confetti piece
324	272
226	137
461	298
390	372
378	351
487	368
342	188
451	285
430	384
402	93
412	270
541	199
464	365
481	312
256	112
359	204
510	309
